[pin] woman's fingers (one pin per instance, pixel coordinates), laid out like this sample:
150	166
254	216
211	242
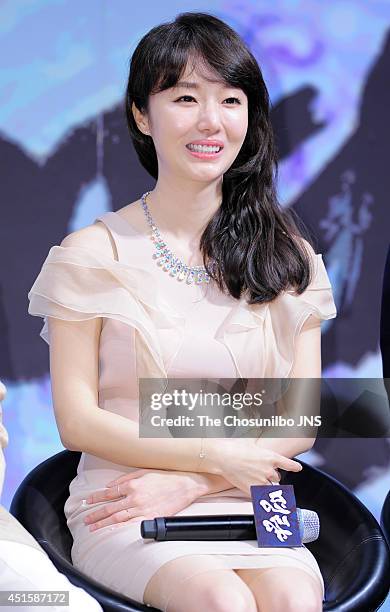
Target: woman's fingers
123	516
3	435
105	511
288	464
126	477
3	391
105	495
118	517
140	518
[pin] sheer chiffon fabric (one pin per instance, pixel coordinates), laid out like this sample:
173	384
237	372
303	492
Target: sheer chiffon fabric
155	327
79	283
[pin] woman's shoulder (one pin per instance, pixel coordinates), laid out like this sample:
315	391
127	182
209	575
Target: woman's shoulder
96	236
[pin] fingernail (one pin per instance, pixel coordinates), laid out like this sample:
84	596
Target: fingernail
92	528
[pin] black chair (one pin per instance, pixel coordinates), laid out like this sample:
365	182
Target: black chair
385	518
351	551
384	336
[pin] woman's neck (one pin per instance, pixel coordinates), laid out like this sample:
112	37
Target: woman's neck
183	212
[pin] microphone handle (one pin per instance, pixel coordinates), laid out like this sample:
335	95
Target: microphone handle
217	527
208	527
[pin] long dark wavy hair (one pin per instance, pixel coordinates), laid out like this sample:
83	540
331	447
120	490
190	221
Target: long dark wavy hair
256	244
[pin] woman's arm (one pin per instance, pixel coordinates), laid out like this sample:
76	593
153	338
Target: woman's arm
203	484
84	426
307	364
74	373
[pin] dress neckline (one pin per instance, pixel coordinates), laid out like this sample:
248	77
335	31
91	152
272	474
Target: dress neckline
200	291
128	224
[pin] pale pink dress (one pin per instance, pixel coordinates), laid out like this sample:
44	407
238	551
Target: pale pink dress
155	326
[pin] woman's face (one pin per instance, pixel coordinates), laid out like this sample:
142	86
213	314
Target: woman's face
204	111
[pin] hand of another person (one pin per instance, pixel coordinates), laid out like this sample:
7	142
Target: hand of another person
244	463
3	438
140	495
3	431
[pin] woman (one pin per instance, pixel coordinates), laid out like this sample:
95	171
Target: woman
113	317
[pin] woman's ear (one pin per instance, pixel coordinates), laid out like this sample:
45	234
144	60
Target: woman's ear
141	120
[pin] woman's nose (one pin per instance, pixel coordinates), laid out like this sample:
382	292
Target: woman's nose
209	117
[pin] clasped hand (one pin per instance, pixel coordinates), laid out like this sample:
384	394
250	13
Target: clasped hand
148	493
141	495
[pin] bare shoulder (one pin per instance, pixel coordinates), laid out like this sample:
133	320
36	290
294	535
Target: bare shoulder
134	214
97	237
94	237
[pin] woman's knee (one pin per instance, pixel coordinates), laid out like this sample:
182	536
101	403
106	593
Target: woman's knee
306	595
307	601
212	591
195	582
226	595
279	590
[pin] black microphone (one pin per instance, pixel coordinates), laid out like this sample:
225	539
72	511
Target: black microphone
220	527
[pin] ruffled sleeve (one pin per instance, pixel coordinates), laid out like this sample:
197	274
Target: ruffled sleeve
76	283
261	337
289	311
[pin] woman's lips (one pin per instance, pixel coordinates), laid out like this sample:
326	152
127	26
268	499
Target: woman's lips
202	155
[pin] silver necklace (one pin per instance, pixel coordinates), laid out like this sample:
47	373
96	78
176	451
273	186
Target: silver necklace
167	260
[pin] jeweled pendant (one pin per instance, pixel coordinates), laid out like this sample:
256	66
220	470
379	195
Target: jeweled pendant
160	254
182	274
168	263
199	277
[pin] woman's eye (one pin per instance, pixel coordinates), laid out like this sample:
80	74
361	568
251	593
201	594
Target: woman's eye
181	98
191	98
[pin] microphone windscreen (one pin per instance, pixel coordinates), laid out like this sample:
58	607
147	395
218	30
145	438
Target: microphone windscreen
309	525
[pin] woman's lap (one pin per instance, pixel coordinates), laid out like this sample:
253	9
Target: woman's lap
290	590
168	582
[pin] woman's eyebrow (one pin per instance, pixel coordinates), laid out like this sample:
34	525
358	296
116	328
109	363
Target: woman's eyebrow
192	85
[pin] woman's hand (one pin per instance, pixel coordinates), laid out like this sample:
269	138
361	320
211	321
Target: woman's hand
140	495
244	463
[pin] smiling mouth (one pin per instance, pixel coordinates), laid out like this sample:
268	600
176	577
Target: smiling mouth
204	151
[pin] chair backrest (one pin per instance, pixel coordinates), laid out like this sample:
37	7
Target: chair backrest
385	323
351	551
385	518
